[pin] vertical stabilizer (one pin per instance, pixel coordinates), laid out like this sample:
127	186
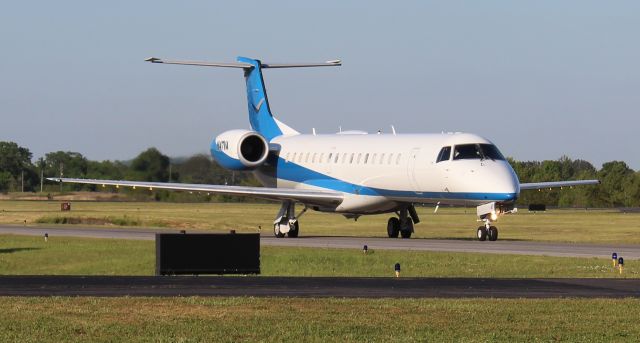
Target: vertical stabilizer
260	115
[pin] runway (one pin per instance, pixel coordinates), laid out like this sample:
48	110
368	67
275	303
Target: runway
630	252
256	286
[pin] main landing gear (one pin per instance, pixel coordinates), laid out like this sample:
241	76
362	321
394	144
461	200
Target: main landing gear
403	225
286	222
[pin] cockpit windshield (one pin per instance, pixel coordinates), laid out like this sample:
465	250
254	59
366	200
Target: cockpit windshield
476	152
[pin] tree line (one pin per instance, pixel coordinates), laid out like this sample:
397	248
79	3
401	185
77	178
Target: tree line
620	185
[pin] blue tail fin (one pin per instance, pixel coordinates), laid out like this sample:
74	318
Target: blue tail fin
260	115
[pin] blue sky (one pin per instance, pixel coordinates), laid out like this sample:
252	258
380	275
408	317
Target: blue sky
541	79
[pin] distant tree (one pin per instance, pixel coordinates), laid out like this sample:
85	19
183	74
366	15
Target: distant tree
200	169
67	163
15	163
150	165
617	183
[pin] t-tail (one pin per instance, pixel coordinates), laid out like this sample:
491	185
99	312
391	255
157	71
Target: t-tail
260	115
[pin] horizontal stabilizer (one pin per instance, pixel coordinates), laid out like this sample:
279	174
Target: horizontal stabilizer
333	63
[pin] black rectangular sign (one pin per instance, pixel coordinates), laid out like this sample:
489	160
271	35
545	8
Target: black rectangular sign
178	253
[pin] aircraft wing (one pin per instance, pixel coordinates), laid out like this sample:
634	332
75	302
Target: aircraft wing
557	184
320	197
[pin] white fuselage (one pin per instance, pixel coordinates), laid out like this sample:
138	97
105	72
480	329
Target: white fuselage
377	172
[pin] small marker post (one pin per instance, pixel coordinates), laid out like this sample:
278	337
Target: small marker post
46	237
621	264
365	249
614	259
397	269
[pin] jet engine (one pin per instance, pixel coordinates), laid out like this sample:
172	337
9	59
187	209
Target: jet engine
240	149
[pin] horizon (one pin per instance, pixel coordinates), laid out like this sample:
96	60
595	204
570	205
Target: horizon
540	80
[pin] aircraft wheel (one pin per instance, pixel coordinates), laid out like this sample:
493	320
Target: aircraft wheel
407	231
493	233
482	233
393	227
276	231
294	229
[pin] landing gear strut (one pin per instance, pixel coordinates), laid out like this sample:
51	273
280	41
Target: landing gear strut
403	225
286	222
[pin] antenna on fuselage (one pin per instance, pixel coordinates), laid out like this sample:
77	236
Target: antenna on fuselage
313	129
393	129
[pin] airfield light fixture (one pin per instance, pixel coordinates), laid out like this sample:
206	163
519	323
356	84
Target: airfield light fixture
621	264
614	259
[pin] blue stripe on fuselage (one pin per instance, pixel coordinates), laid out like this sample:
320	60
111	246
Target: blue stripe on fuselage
293	172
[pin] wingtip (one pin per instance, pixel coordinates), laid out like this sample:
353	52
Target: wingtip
153	60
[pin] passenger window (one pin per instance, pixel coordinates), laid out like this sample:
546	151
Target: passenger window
344	158
313	158
390	158
351	159
306	157
381	158
366	158
398	158
320	158
359	157
336	158
329	157
373	159
444	155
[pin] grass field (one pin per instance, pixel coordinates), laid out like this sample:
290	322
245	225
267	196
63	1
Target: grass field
317	320
86	256
199	319
604	226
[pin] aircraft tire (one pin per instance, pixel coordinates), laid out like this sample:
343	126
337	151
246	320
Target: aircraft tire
294	230
276	231
407	231
493	233
482	233
393	227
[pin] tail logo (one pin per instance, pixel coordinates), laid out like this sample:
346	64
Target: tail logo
257	107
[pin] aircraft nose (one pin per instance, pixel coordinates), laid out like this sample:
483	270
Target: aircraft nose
507	181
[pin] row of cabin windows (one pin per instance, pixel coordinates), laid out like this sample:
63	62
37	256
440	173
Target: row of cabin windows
344	158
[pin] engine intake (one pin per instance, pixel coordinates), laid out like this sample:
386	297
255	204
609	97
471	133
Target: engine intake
240	149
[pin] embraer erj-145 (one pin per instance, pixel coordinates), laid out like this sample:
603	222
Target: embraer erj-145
354	173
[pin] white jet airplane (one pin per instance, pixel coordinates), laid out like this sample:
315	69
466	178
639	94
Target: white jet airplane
354	173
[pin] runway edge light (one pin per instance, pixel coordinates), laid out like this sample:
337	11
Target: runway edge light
397	269
614	258
621	264
365	249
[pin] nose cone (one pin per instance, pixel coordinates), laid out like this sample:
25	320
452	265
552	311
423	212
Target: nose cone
505	181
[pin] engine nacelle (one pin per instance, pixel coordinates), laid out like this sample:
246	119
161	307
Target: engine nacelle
240	149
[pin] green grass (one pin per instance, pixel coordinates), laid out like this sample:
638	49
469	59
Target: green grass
594	226
85	256
198	319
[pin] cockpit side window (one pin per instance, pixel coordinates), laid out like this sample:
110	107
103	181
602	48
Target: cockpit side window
444	154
